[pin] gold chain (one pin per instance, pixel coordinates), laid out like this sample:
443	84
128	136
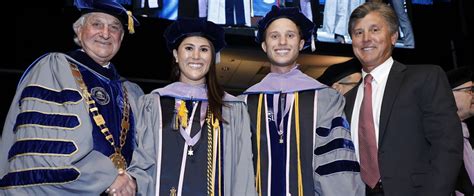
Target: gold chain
100	121
125	125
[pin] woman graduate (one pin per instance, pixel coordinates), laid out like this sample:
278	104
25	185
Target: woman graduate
195	137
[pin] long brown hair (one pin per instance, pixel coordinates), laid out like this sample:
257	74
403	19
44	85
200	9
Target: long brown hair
215	93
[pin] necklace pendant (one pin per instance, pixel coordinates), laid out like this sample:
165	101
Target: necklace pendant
118	160
190	151
281	139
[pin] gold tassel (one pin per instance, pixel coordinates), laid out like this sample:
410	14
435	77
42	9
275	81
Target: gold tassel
215	123
130	25
183	114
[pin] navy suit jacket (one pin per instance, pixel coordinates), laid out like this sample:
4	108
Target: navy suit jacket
420	136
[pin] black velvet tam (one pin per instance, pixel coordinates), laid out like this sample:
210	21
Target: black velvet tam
292	13
107	6
186	27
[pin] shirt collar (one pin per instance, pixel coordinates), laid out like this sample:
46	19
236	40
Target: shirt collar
465	130
380	72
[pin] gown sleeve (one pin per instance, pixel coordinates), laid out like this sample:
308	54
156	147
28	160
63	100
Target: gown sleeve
47	144
336	166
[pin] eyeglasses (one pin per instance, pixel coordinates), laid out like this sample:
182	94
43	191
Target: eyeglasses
468	89
349	83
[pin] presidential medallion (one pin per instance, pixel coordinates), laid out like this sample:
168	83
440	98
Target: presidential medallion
100	95
118	160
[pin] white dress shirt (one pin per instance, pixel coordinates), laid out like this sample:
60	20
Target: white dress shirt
380	75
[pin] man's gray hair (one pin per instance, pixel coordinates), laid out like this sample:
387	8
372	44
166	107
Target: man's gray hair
78	24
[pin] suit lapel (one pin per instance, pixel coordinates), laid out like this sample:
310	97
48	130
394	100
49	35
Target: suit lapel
394	82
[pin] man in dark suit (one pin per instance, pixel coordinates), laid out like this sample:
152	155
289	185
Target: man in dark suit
460	81
404	124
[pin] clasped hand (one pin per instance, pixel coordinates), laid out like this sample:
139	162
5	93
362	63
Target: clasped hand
124	185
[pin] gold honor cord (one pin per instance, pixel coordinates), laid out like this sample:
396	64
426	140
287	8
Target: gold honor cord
219	150
210	146
210	152
298	145
215	128
258	178
117	158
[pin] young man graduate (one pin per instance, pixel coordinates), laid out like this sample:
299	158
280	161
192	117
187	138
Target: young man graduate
301	139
